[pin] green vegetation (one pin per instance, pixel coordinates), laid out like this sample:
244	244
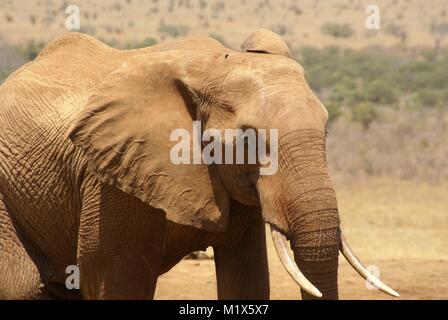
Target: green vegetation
31	49
147	42
219	37
338	30
362	83
364	113
3	75
173	30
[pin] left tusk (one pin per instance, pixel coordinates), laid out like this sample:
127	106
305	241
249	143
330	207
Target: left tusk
358	266
281	246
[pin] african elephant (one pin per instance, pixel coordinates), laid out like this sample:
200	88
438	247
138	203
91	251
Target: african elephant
86	177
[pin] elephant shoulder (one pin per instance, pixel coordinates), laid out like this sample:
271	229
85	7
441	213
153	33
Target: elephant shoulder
69	55
56	84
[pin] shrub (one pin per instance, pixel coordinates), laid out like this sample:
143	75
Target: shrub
219	37
337	30
377	76
89	29
322	66
424	74
395	30
439	28
3	75
9	18
147	42
31	50
347	92
364	113
381	92
280	29
173	30
429	98
334	111
444	102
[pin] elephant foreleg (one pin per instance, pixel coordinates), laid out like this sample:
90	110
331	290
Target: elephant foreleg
241	260
120	244
19	276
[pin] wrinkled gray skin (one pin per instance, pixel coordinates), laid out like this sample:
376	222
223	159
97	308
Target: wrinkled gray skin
85	177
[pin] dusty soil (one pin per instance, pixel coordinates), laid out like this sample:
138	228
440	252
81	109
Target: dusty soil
413	279
399	227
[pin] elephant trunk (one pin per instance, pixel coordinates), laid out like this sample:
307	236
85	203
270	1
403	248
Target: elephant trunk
308	203
321	273
300	203
315	240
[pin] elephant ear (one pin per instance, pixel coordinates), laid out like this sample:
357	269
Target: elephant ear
125	132
265	41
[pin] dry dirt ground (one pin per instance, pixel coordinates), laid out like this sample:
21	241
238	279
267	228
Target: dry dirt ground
399	227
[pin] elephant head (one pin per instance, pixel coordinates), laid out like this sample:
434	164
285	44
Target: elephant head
127	123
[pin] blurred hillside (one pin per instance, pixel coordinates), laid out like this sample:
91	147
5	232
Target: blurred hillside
302	23
388	111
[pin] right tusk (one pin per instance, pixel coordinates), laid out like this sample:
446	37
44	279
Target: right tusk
358	266
281	246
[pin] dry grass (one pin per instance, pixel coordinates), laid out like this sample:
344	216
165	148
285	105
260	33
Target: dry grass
392	219
299	22
405	145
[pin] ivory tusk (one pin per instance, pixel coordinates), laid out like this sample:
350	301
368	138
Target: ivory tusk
358	266
281	246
